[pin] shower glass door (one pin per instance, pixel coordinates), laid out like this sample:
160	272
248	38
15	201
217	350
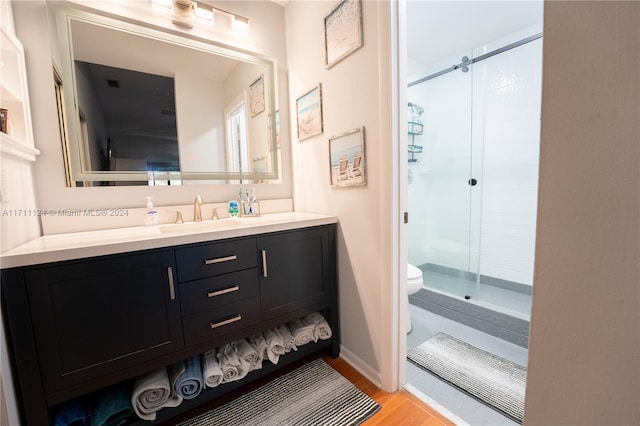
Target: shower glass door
440	185
506	117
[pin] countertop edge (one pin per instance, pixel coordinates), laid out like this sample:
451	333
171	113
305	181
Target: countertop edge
22	257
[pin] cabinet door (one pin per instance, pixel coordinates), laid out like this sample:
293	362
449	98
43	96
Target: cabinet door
294	271
98	316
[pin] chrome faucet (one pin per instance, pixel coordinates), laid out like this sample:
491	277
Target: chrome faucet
197	211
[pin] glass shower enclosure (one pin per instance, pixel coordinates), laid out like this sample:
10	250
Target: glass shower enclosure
472	193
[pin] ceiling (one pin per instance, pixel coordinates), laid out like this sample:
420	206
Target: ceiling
440	30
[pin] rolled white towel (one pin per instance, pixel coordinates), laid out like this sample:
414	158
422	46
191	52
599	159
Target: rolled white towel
287	337
275	344
248	355
301	331
321	327
211	371
260	345
152	392
230	364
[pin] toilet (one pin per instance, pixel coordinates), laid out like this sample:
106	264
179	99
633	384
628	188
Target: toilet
414	283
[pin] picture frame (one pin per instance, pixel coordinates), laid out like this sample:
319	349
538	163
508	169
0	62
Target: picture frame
342	31
256	96
347	160
276	120
309	113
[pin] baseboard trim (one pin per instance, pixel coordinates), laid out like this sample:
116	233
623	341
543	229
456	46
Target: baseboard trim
363	368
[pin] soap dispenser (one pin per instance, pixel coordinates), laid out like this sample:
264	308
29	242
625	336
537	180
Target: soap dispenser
151	217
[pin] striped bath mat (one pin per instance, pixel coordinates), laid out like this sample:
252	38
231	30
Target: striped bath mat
489	378
314	394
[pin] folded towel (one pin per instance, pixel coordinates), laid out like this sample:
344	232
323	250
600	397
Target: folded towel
301	331
275	344
230	364
152	392
260	345
112	406
72	413
189	378
321	328
287	337
212	372
249	357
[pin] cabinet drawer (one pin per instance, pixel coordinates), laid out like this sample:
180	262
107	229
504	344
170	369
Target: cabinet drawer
213	292
216	258
207	325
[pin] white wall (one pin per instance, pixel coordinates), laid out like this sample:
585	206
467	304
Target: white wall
266	19
18	224
354	93
585	327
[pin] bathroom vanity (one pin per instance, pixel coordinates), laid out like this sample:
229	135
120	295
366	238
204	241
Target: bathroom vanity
88	310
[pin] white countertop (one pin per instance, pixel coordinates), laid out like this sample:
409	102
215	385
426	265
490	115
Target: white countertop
78	245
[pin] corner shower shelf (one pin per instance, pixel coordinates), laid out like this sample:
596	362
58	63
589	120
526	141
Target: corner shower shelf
413	150
415	128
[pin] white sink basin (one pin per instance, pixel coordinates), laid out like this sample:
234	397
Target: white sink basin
204	226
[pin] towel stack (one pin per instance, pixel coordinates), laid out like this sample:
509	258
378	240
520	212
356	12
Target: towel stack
233	366
213	374
154	391
189	381
321	328
302	331
275	345
108	407
167	387
249	356
287	337
260	345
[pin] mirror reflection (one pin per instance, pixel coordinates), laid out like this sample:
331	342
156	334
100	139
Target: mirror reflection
149	107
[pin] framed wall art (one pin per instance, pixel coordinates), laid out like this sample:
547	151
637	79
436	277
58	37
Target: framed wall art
256	96
347	159
342	31
309	113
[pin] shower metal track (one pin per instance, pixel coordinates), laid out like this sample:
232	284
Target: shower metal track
478	59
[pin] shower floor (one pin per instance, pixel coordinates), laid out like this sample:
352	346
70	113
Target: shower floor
501	298
424	325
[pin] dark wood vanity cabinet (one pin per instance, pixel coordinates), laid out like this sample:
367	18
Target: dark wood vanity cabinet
95	317
77	326
294	271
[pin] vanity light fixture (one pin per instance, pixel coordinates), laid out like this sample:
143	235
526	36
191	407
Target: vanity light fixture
204	14
183	12
240	24
162	5
189	12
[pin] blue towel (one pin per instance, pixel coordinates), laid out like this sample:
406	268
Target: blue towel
112	406
72	413
189	382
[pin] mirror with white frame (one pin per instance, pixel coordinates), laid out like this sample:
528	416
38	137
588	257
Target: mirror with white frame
145	106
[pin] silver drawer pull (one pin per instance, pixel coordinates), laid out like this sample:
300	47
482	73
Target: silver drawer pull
172	290
223	291
220	260
264	263
225	322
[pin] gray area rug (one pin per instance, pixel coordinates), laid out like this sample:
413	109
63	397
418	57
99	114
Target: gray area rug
489	378
314	394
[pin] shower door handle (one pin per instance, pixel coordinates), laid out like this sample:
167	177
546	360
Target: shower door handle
472	182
